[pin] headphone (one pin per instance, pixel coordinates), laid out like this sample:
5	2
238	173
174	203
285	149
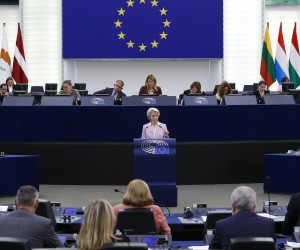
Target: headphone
187	213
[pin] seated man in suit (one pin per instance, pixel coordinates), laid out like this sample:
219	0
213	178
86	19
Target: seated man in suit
116	91
4	89
292	218
243	222
24	223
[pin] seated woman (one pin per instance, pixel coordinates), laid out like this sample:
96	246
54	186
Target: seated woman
194	89
154	129
260	93
68	90
138	195
98	226
224	89
150	87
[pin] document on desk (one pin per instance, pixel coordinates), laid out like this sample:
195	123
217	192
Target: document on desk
204	217
199	247
292	244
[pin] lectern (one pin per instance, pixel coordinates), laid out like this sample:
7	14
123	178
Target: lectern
155	163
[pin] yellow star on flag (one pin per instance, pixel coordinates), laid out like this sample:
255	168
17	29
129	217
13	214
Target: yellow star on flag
163	12
142	47
154	44
121	12
130	3
121	35
130	44
154	3
167	23
142	1
163	35
118	23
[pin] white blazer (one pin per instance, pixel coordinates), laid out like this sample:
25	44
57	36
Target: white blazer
154	132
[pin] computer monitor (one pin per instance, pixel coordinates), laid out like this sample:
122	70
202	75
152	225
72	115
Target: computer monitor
20	89
51	86
287	85
136	221
255	86
80	86
232	85
45	209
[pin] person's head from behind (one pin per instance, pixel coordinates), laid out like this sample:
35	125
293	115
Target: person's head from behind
118	86
27	197
4	88
138	194
67	86
243	198
150	81
153	115
98	225
285	79
9	81
195	87
224	89
262	86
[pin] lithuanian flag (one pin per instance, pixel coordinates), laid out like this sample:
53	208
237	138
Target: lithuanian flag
267	69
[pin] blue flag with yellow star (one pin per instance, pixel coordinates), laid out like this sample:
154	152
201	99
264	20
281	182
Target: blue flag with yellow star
143	29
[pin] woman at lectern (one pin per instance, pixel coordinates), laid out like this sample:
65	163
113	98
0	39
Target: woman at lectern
154	129
98	226
224	89
138	195
150	87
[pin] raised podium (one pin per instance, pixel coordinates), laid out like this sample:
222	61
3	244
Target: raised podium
155	163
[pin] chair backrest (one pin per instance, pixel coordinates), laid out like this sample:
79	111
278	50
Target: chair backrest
136	221
257	243
216	89
125	246
45	209
214	216
248	88
11	243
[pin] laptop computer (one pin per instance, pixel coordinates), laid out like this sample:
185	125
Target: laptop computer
240	100
18	101
57	101
97	101
279	99
200	100
149	100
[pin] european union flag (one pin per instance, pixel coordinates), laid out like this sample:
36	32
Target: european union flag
143	29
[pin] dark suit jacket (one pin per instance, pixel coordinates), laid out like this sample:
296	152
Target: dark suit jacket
144	91
293	214
259	98
22	223
243	224
110	91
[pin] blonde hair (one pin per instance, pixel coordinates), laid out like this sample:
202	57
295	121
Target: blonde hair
151	110
98	226
138	194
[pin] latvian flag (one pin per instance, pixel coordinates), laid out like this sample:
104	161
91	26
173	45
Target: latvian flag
19	72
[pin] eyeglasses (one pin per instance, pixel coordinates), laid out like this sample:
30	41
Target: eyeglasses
118	86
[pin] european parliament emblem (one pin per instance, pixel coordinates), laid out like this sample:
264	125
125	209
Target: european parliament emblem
201	100
97	101
149	100
155	147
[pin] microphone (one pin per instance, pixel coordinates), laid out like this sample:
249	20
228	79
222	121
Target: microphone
165	132
157	204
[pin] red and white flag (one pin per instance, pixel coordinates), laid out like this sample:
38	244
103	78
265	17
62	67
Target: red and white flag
5	65
19	72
